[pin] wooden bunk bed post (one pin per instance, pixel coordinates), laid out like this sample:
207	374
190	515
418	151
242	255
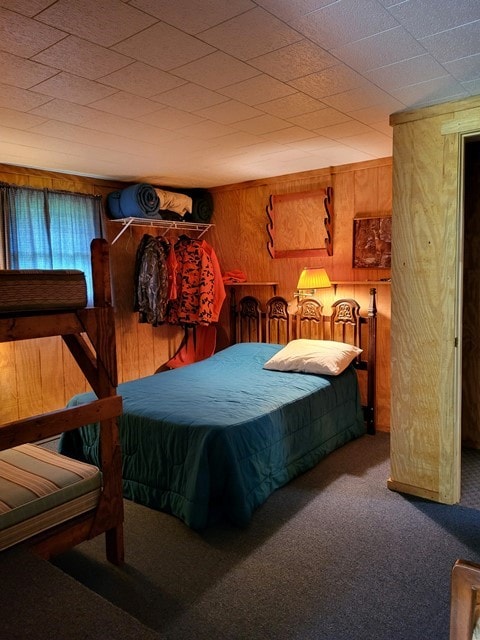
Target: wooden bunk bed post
104	342
372	359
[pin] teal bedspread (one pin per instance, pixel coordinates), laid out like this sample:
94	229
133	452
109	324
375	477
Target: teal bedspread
214	439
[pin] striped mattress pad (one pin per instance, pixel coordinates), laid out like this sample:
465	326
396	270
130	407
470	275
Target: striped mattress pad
40	488
23	290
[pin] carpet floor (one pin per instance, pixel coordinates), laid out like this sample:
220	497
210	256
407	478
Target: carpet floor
333	555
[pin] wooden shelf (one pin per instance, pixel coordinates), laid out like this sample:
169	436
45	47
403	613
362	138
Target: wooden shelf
250	284
361	281
370	283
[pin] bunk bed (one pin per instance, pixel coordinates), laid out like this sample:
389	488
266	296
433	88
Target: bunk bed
212	440
61	515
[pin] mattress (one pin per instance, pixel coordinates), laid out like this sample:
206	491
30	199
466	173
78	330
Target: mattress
23	290
212	440
40	488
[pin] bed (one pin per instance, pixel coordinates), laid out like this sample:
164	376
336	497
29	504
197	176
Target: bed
212	440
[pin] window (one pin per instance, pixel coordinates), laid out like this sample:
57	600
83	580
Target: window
44	229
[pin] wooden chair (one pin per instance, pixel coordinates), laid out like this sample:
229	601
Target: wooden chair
464	600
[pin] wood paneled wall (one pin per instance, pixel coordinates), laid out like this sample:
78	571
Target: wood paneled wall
31	379
240	239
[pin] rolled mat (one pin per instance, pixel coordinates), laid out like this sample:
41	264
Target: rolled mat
113	200
140	201
137	201
202	206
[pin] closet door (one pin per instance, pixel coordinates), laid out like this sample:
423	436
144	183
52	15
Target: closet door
426	306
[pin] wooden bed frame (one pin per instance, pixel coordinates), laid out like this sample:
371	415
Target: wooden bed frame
464	599
276	324
81	330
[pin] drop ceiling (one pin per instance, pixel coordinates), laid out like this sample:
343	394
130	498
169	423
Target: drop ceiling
211	92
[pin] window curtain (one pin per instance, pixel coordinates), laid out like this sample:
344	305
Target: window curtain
45	229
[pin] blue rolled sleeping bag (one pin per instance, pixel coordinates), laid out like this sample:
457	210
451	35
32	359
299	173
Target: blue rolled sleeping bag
137	201
113	200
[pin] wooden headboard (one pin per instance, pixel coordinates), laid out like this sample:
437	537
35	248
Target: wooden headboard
276	324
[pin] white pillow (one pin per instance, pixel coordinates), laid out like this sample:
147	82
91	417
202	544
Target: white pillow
325	357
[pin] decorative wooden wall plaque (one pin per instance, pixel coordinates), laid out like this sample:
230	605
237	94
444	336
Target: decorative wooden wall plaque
300	224
372	243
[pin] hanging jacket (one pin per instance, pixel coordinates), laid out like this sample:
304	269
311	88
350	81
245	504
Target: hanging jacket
151	280
200	290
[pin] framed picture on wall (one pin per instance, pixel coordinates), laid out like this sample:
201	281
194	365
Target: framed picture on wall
372	243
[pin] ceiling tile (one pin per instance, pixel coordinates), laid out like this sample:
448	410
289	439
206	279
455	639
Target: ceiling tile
171	118
25	7
329	81
430	92
383	126
130	128
373	115
36	139
206	130
236	140
427	17
343	130
20	99
359	98
65	111
341	154
465	69
110	144
18	119
216	70
251	34
407	72
315	144
193	16
472	87
289	135
229	112
23	73
218	92
295	60
82	58
73	89
293	8
105	22
189	97
25	37
262	124
373	143
125	104
142	79
379	50
318	119
454	43
261	88
345	21
164	47
293	105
